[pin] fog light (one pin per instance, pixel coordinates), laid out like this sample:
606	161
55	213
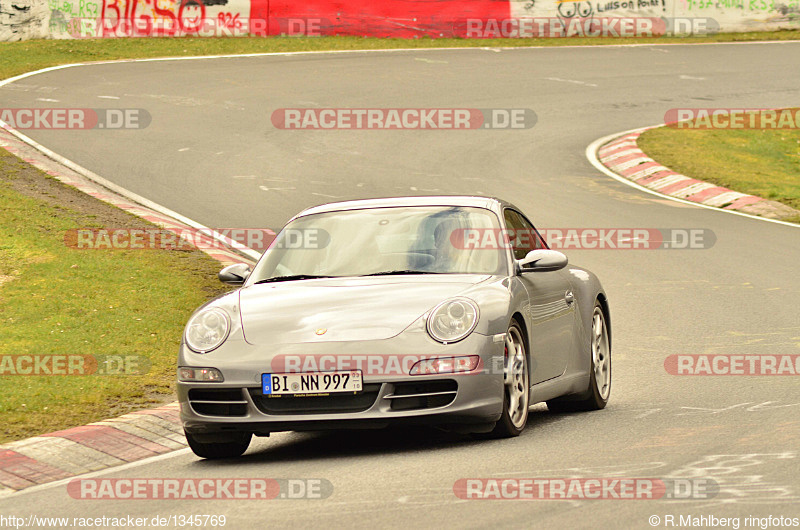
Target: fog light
200	374
445	365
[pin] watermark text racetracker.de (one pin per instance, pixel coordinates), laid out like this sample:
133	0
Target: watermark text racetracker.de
585	238
75	119
402	119
383	365
730	365
199	488
580	25
188	238
598	488
261	239
572	23
732	118
225	24
73	364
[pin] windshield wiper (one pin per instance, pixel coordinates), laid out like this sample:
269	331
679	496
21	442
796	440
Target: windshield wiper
292	277
400	272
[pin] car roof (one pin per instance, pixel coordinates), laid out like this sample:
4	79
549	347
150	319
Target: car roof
490	203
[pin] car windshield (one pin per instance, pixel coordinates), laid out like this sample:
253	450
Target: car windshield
381	241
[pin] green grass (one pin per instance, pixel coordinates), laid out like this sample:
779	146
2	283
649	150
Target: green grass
20	57
762	162
56	300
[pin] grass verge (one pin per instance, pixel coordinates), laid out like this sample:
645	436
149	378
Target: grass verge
19	57
56	300
762	162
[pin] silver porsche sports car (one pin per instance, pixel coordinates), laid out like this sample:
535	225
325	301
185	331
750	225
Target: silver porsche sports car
449	311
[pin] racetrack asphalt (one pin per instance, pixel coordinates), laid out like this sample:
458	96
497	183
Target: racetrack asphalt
212	154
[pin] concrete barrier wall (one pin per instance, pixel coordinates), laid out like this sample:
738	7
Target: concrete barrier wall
727	15
27	19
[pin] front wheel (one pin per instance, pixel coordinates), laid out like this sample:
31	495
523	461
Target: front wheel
516	390
235	446
596	396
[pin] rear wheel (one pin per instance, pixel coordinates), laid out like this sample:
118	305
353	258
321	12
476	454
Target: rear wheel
228	448
596	396
516	391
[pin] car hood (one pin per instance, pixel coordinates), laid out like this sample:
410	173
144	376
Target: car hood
353	309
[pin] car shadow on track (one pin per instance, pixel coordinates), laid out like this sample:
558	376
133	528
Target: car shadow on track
321	445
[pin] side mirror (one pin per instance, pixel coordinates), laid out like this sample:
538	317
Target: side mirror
235	274
542	260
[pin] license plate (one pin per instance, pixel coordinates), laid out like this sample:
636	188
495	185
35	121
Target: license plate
311	383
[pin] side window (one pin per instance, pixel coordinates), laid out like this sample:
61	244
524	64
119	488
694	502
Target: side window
523	236
536	240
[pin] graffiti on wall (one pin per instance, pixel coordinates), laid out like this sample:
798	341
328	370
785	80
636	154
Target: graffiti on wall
727	15
567	9
148	18
73	18
763	6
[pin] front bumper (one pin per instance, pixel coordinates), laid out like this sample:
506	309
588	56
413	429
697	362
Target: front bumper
236	405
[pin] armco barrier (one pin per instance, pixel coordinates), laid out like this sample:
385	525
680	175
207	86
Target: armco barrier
27	19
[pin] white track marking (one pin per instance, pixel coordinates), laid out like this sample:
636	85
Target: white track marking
123	467
591	154
572	81
264	188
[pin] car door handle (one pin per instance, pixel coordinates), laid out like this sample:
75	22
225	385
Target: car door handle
569	297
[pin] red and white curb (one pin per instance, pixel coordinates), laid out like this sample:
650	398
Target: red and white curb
109	443
623	157
100	445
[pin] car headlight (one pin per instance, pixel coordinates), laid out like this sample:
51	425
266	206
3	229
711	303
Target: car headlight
207	330
453	320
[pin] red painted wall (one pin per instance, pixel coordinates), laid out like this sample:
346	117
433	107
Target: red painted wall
379	18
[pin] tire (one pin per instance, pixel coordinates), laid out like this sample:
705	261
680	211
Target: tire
216	450
516	390
596	396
